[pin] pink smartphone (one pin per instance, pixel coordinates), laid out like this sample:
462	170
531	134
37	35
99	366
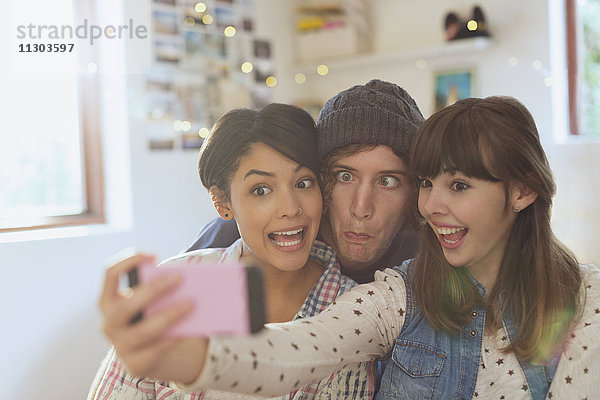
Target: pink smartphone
228	297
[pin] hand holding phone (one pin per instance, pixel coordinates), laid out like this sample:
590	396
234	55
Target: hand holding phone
227	297
142	347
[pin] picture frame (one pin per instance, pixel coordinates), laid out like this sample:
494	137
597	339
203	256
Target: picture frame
451	85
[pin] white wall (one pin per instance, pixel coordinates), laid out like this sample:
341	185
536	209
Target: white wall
520	30
51	335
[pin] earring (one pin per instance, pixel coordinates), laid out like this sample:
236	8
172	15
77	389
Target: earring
299	211
225	215
516	209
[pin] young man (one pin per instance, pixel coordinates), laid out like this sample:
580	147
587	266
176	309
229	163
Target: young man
365	134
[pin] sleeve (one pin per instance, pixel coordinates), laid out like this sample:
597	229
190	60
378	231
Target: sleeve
578	370
361	325
113	382
218	233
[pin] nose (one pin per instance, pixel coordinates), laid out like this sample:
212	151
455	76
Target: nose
362	206
431	201
289	204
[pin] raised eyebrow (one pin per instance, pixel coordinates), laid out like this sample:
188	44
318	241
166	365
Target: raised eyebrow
393	172
258	172
342	166
269	174
384	172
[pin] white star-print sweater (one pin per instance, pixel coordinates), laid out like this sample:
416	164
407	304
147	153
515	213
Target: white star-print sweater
364	323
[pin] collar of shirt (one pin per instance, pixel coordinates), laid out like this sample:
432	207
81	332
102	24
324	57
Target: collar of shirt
330	285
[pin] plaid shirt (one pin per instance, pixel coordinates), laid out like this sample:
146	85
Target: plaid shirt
356	381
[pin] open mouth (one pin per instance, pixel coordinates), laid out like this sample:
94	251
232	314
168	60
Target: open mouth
287	238
451	235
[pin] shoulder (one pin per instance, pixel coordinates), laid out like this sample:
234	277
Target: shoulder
590	292
216	234
392	278
587	324
590	273
579	365
195	256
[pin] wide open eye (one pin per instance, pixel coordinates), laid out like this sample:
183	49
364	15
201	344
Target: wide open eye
344	176
261	190
389	182
459	186
423	183
305	183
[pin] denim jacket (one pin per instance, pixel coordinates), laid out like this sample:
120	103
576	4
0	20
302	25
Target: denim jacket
427	364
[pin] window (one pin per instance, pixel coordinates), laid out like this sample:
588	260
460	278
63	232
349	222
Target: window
583	52
50	157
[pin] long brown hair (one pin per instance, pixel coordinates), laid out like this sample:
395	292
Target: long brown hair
496	139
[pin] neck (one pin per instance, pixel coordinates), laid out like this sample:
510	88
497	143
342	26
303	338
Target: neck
286	291
362	274
486	275
486	278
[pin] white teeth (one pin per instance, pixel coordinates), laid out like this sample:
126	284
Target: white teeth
450	241
289	233
448	231
287	244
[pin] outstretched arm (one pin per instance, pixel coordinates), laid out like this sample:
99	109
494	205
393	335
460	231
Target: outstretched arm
361	325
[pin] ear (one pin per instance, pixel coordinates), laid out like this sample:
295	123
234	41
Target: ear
522	197
220	203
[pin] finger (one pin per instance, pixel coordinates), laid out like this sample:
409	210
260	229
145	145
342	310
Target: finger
121	310
114	272
152	328
124	309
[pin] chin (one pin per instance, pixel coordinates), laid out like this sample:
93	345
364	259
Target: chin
289	268
363	255
290	265
456	264
453	261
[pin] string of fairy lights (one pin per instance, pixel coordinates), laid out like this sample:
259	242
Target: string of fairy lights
321	69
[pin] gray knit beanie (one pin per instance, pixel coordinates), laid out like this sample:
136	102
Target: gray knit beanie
378	112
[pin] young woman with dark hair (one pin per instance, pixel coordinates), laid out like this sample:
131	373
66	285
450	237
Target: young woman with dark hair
261	169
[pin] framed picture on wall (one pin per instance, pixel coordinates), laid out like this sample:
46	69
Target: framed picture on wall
452	85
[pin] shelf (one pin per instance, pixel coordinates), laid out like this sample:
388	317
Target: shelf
462	46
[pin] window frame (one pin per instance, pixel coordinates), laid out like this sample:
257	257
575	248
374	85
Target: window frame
88	89
572	66
574	61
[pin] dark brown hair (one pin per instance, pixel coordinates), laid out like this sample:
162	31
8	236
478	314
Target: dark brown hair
288	129
496	139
